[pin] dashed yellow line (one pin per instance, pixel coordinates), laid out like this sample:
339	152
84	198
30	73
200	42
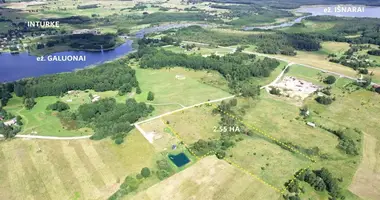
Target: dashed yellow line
265	134
229	161
254	176
180	139
295	176
283	190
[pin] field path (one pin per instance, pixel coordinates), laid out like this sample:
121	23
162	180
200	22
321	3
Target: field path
50	137
184	108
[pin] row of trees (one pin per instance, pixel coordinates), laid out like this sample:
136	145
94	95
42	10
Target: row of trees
320	180
131	184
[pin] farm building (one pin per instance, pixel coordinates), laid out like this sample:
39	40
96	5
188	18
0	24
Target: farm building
10	122
311	124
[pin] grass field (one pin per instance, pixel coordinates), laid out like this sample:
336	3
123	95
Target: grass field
189	88
319	59
211	179
203	50
40	120
366	182
80	169
194	124
310	26
267	160
308	74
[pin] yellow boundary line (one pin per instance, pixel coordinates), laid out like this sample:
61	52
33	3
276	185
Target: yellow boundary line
283	190
229	161
265	134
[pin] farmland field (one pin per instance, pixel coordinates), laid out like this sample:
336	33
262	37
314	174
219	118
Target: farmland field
43	169
209	178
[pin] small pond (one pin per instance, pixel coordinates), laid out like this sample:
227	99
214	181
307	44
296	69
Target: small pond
179	160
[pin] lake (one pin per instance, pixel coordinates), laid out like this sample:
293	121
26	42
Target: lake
17	66
372	12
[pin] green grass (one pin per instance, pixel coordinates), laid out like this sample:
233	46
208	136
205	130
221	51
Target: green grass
307	74
266	160
278	118
198	86
40	120
194	124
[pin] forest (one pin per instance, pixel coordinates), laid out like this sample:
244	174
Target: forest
273	43
109	118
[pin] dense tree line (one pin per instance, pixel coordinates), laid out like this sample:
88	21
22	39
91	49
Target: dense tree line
85	41
369	28
158	17
374	52
273	43
109	118
130	184
346	144
236	68
108	76
320	180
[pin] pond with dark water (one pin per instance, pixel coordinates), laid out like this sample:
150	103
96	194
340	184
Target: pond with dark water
179	160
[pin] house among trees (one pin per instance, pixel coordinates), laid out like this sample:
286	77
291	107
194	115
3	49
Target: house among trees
10	122
95	98
86	31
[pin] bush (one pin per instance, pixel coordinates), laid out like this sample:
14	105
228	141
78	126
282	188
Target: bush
221	154
150	96
377	90
329	79
275	91
324	100
119	140
58	106
145	172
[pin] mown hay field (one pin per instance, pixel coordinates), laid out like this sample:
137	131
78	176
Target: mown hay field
82	169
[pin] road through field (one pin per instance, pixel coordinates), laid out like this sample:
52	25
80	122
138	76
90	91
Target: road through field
285	60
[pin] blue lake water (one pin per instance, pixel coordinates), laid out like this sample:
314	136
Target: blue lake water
371	12
17	66
179	160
